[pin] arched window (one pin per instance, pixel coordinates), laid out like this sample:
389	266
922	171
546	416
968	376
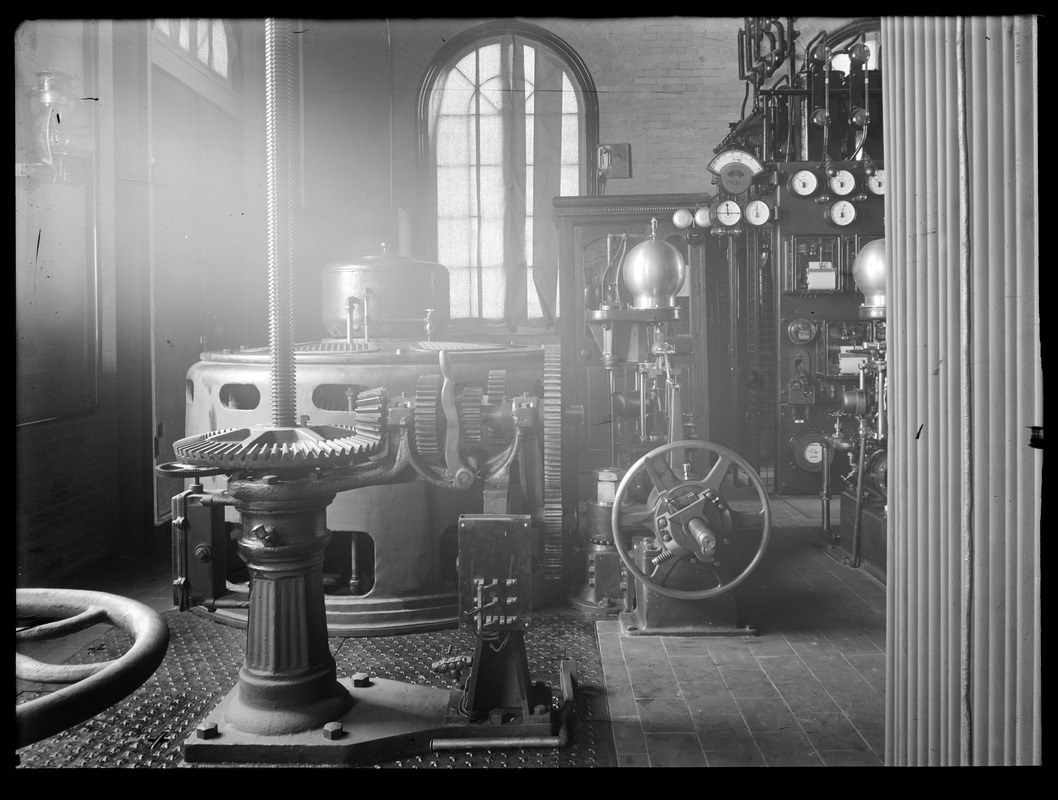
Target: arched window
508	120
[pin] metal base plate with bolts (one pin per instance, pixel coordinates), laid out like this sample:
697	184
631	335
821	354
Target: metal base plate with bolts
388	719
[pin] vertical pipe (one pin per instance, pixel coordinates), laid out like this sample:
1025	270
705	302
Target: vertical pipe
279	121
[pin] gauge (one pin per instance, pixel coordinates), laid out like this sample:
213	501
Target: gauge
735	170
801	331
842	183
876	182
727	213
841	212
682	218
757	212
804	182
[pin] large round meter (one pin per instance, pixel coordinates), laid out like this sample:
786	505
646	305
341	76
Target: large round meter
804	182
757	212
876	183
842	183
727	213
841	213
807	451
801	331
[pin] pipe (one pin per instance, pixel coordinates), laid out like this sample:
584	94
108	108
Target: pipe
859	494
824	492
561	740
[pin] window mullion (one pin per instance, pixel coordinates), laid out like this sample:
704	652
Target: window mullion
477	176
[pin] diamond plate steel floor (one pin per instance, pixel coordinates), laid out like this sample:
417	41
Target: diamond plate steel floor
149	727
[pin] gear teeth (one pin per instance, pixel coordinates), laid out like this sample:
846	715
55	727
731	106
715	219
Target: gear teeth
263	446
470	418
427	415
370	414
552	405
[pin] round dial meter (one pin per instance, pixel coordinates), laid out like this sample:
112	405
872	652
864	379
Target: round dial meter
728	213
876	183
801	331
842	183
757	212
804	182
841	212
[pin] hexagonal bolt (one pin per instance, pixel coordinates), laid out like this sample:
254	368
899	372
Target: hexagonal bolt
203	552
361	680
207	730
333	730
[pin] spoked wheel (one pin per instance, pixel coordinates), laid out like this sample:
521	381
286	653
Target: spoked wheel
90	688
691	519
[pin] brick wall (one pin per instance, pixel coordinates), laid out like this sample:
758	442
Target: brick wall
668	86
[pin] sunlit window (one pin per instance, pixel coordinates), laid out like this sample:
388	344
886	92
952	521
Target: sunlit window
506	133
207	40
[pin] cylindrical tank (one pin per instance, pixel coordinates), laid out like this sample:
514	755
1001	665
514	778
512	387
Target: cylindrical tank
654	272
868	270
399	292
396	541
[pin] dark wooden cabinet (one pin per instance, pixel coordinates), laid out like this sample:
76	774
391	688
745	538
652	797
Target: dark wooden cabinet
584	223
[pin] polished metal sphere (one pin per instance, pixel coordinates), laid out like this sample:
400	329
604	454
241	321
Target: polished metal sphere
654	272
868	270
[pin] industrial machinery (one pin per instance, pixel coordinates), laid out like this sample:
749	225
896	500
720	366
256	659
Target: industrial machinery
801	187
860	541
283	476
661	538
451	428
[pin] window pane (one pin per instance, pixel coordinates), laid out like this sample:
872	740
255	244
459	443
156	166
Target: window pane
569	184
464	295
202	40
454	189
492	92
492	241
454	245
570	139
220	48
489	62
570	104
529	238
492	291
491	139
492	192
455	141
185	34
162	25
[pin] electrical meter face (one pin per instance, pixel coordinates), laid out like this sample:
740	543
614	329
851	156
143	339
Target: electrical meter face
841	213
757	212
801	331
728	213
842	183
876	183
804	182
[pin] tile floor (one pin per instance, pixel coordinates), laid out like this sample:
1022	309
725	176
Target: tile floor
808	690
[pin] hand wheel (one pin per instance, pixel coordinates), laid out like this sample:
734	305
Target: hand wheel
690	518
92	687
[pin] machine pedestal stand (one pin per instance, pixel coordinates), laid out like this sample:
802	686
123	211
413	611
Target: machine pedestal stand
657	614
